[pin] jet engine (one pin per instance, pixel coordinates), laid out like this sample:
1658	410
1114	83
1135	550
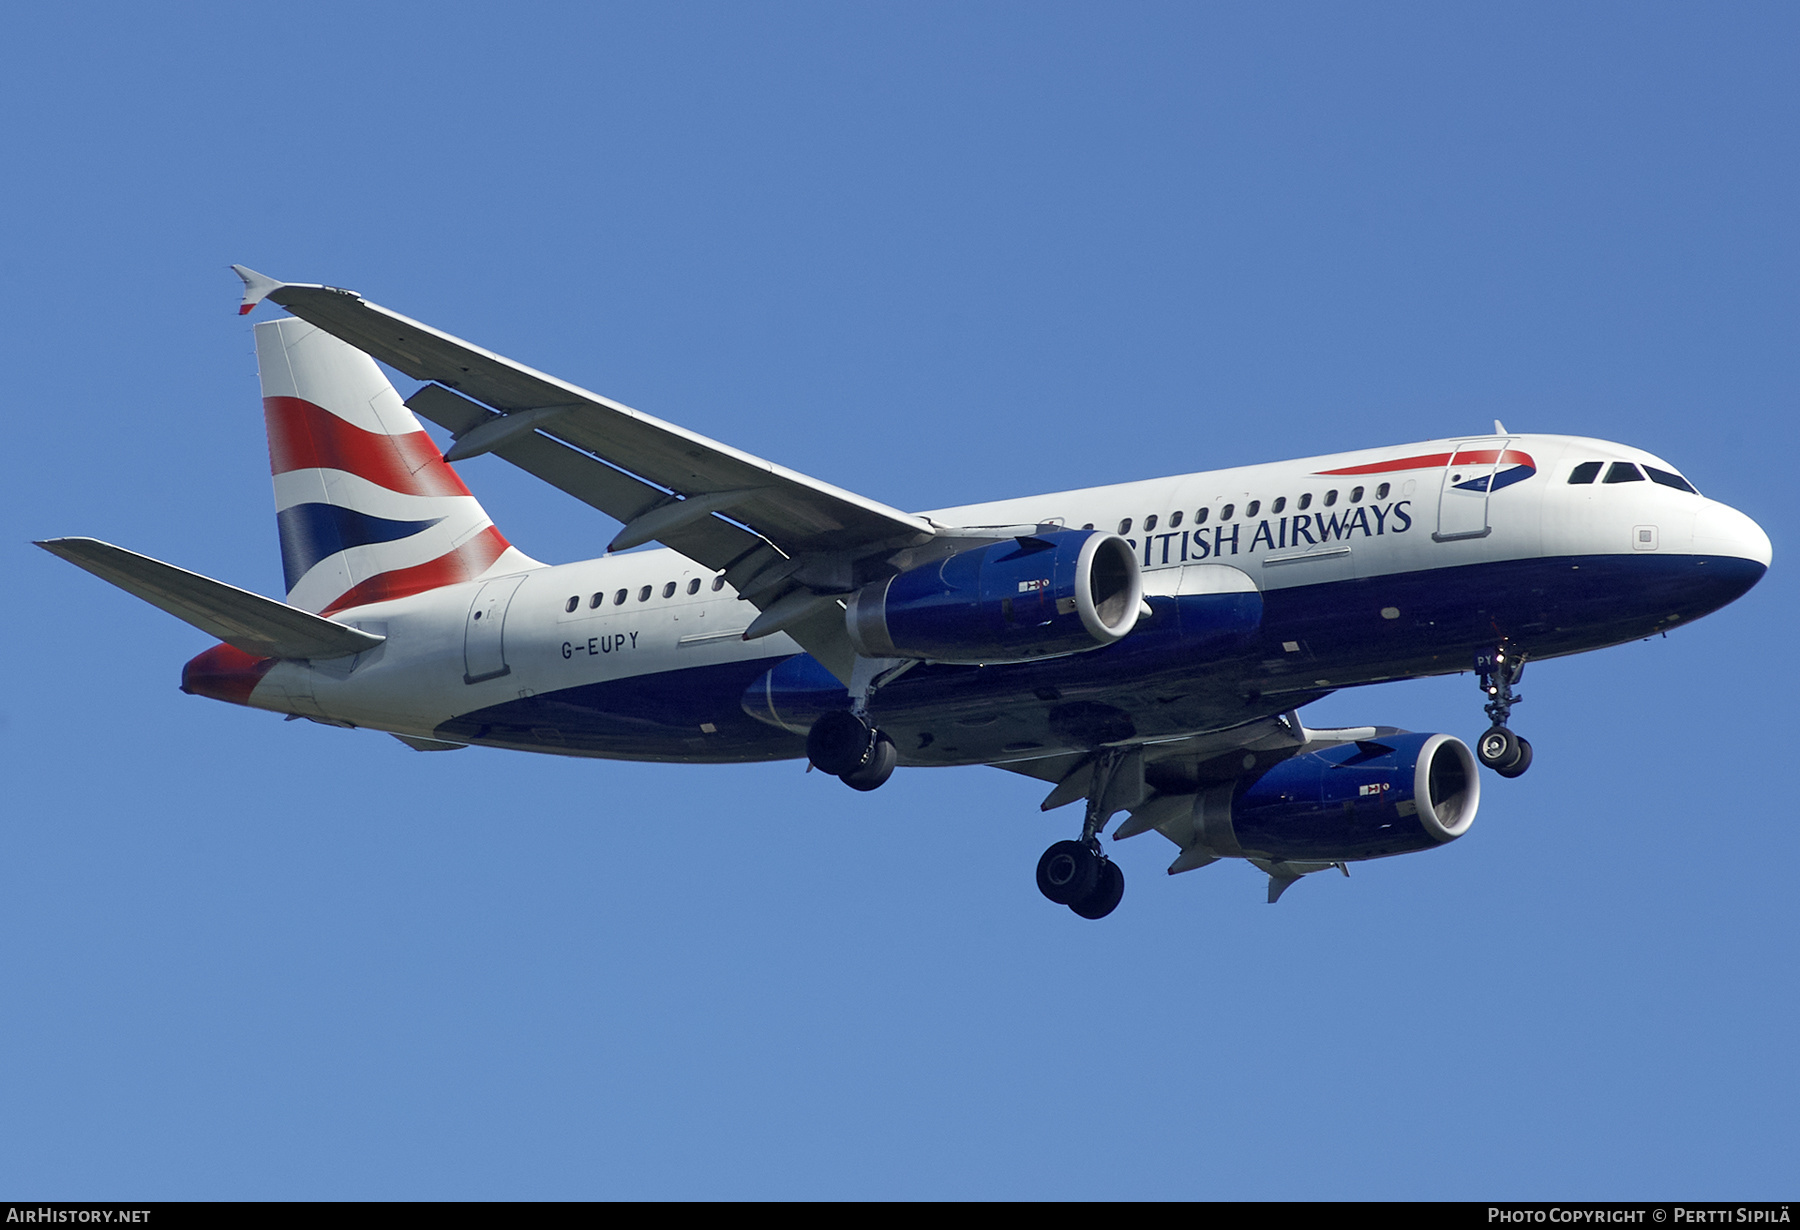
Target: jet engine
1034	596
1367	799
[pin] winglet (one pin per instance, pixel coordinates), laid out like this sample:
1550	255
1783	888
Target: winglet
256	287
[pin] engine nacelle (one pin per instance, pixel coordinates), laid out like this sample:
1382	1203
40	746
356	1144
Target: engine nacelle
1369	799
1030	597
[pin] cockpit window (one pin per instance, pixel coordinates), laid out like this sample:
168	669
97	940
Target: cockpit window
1669	478
1586	472
1623	472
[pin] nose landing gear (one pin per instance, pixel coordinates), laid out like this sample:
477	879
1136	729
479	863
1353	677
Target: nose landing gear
1503	752
1499	748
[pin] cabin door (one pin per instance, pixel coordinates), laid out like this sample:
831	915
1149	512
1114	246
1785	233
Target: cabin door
484	636
1462	502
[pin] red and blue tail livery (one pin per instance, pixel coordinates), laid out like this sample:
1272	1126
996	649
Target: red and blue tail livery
366	508
1145	650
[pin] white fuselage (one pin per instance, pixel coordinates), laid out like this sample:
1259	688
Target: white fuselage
635	618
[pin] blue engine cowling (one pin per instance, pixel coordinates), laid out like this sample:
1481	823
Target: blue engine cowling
1034	596
1369	799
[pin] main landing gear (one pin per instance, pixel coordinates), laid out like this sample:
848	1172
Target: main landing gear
1499	748
1077	873
845	745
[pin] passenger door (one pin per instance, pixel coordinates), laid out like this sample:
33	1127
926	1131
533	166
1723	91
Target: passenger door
484	635
1463	499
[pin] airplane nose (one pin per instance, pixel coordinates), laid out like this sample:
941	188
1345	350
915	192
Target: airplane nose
1723	530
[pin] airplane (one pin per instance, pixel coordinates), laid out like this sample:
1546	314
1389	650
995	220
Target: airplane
1144	648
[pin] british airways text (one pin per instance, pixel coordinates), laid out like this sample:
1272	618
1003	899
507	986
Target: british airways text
1299	530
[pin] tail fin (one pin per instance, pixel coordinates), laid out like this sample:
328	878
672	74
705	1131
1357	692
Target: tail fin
366	508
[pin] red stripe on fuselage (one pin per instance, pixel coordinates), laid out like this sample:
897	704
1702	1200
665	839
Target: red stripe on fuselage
303	436
1404	463
463	564
1470	457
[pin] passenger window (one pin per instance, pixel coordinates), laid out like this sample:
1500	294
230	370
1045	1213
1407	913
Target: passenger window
619	598
1381	492
1356	495
1088	526
718	583
1331	497
669	590
1305	500
644	594
572	603
1623	472
1586	472
1279	504
1251	507
1125	526
1669	479
1225	512
596	600
694	586
1175	519
1200	517
1149	523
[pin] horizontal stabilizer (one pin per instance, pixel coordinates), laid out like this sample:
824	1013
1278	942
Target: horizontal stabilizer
250	622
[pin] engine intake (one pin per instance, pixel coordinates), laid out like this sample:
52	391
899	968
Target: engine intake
1034	596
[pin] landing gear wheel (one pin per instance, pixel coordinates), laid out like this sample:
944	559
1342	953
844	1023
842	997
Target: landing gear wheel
1523	763
1106	895
883	756
1498	749
1069	871
839	743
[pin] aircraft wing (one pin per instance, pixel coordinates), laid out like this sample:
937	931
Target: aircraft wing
796	513
791	545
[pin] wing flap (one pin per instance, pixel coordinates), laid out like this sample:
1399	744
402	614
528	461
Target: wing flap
250	622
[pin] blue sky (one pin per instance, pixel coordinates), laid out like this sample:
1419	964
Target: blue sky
935	254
